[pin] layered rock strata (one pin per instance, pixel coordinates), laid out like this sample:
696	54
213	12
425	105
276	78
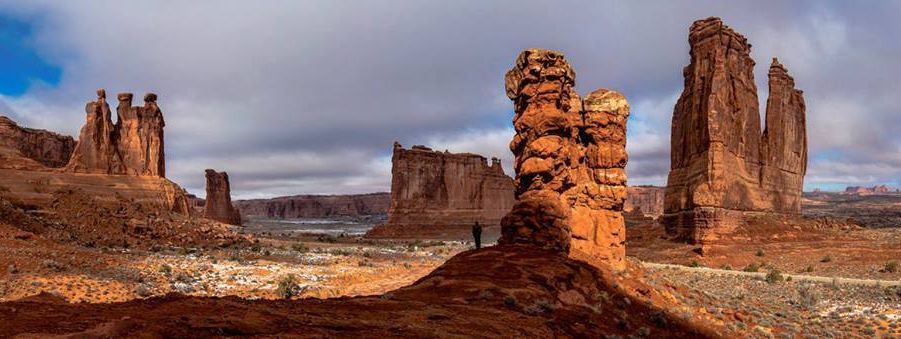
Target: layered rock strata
570	159
435	192
722	166
316	206
218	205
32	148
645	200
131	146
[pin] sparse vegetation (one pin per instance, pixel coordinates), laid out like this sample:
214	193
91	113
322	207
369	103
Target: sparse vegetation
809	269
891	267
287	287
695	263
726	267
752	267
54	265
774	277
300	248
760	253
827	258
165	270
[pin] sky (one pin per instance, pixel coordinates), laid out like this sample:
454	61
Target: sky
307	97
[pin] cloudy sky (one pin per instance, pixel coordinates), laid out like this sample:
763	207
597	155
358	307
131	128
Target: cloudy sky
308	96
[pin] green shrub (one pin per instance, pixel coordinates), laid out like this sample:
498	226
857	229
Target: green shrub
774	276
726	267
695	263
827	258
760	253
752	267
809	268
287	287
891	266
300	248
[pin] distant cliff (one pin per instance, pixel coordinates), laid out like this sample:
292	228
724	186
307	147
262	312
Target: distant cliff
316	206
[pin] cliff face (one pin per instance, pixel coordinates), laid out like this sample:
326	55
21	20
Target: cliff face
570	160
721	163
647	200
316	206
32	149
133	146
218	204
433	192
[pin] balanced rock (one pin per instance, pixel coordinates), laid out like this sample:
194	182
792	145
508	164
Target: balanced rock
721	164
441	194
570	160
218	205
133	146
32	149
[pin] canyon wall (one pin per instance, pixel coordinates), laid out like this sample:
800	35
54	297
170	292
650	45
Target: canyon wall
440	194
722	165
316	206
32	149
132	146
218	205
646	200
570	162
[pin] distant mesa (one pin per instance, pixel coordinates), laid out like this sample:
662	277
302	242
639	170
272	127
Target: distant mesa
132	146
218	205
570	162
722	165
440	195
316	206
869	190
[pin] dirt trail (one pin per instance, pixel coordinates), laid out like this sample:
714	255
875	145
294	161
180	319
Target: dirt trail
795	277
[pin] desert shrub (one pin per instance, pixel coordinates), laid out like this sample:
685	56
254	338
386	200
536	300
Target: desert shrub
287	287
540	306
143	291
827	258
809	268
54	265
752	267
266	253
891	266
774	276
695	263
327	239
760	253
659	320
510	301
300	248
165	269
726	267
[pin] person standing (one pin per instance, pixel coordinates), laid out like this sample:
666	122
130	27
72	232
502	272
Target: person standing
477	234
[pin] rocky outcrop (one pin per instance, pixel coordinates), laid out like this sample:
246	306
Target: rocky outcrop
316	206
133	146
645	200
32	149
218	204
436	192
570	160
721	164
867	190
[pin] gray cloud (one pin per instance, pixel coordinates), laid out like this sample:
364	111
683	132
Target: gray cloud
307	97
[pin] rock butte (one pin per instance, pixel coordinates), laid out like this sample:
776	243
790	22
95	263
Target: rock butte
722	166
441	194
133	146
316	206
32	149
570	160
646	200
218	204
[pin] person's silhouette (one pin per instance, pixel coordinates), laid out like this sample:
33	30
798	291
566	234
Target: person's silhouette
477	234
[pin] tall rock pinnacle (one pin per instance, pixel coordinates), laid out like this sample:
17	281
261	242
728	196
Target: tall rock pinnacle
721	164
570	160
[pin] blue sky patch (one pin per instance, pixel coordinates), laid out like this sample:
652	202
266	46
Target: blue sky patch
20	64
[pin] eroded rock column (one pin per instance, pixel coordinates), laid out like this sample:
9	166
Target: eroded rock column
570	160
218	199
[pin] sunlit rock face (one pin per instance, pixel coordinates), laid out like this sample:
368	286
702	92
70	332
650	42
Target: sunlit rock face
722	165
131	146
32	149
438	194
570	162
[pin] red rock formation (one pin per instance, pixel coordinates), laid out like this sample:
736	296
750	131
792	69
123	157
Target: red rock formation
570	160
867	190
133	146
646	200
316	206
721	163
32	149
218	204
440	192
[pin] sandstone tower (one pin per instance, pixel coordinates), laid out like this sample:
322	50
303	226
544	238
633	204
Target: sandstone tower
570	160
133	146
722	166
218	199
